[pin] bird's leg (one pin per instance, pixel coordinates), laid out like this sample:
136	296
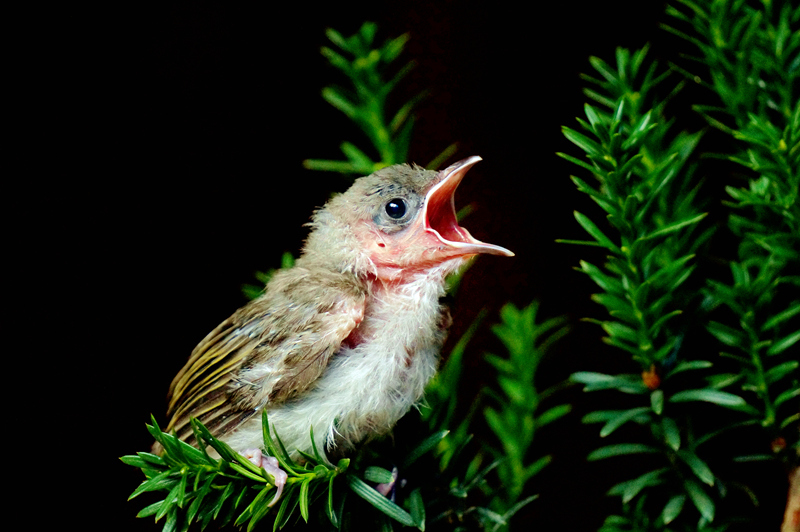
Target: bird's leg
270	465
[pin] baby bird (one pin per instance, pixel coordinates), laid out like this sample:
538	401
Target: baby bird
345	340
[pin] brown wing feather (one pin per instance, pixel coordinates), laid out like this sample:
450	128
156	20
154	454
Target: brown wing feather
269	351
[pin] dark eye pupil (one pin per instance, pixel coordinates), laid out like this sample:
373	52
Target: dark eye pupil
396	208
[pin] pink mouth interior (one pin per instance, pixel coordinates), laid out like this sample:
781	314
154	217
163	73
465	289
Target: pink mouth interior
441	213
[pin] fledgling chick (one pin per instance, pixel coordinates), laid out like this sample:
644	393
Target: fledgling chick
346	340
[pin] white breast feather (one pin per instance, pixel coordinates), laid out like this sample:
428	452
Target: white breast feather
366	389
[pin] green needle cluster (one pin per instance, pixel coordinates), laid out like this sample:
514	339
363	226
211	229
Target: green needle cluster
654	236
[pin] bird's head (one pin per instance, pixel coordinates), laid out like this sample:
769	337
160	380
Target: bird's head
396	221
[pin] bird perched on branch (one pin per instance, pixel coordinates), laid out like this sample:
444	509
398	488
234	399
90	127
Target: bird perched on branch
346	340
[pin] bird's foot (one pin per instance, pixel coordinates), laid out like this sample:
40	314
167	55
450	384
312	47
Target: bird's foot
387	489
270	465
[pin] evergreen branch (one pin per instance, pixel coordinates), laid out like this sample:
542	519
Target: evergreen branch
372	78
517	415
228	489
747	56
650	241
749	52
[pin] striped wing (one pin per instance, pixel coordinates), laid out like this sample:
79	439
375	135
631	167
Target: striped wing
269	351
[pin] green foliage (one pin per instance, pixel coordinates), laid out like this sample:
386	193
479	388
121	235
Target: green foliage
517	415
748	54
477	485
645	184
199	488
635	167
230	489
480	485
366	103
757	87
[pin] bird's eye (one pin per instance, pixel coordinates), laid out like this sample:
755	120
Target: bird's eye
396	208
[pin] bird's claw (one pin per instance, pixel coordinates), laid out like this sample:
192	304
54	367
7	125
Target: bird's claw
270	465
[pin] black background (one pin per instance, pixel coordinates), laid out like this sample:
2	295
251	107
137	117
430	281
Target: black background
168	140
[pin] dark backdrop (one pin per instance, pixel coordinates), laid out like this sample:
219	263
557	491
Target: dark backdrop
169	140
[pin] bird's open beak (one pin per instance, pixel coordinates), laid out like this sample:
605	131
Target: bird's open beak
439	215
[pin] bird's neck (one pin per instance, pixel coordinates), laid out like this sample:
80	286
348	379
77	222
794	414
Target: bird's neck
406	306
411	299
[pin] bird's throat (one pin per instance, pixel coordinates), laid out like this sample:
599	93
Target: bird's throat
407	298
